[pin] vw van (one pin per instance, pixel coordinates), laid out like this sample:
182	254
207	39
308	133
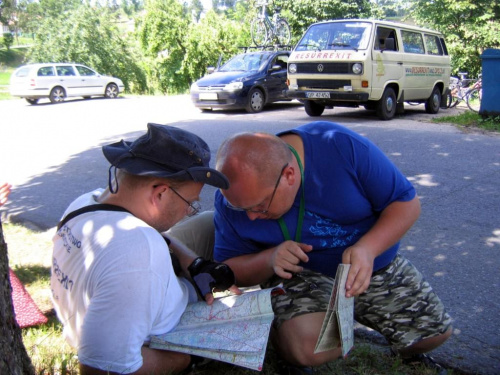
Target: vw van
376	64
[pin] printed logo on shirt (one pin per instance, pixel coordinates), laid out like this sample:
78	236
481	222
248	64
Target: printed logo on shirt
68	238
331	234
64	279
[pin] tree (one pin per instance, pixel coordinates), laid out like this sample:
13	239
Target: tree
90	35
13	356
163	36
470	26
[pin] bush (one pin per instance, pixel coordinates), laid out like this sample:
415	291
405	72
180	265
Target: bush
8	40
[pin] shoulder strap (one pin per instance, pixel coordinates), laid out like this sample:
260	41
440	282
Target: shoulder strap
90	208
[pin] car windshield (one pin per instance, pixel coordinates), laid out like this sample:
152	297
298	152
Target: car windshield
336	35
246	62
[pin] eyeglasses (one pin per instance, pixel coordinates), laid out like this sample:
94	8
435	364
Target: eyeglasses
264	212
194	207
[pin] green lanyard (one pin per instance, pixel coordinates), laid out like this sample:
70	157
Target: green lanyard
300	218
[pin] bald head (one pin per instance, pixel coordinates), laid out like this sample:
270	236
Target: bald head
259	154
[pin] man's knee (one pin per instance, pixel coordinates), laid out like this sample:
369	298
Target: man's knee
296	340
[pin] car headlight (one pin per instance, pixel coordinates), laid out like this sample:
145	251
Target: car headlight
357	68
194	87
233	86
292	68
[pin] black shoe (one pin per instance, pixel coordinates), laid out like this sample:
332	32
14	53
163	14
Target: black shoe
423	359
285	368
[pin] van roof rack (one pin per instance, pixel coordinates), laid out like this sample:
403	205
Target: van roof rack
270	47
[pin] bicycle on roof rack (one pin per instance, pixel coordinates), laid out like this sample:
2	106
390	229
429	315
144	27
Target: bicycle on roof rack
265	30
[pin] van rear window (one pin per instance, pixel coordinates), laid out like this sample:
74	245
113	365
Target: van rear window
412	42
433	45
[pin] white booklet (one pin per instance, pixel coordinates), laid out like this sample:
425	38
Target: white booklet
338	326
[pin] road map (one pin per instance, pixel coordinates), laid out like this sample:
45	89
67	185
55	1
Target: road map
338	326
234	329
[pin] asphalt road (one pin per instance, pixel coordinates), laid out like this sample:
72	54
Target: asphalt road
51	154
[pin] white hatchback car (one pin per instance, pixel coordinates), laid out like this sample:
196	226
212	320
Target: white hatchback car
57	81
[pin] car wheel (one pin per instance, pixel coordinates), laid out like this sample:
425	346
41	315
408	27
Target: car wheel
432	104
255	101
313	109
386	106
111	91
57	95
32	101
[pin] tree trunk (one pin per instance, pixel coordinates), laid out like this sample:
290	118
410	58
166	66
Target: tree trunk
13	356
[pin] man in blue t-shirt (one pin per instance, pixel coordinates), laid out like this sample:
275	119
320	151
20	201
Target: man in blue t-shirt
302	202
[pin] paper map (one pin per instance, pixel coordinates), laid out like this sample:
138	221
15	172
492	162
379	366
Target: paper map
338	326
234	329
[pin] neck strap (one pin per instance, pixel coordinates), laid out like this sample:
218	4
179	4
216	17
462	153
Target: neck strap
300	218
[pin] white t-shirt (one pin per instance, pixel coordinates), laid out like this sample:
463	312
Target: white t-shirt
113	286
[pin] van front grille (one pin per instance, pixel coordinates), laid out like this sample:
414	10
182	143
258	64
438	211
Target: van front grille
324	68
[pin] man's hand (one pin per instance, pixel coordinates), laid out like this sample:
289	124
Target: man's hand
360	273
208	275
287	256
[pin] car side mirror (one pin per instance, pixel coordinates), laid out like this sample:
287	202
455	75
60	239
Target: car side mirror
210	69
275	68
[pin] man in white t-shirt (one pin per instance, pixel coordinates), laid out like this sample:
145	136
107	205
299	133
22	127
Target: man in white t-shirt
116	280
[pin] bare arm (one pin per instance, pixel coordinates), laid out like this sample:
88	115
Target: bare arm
392	224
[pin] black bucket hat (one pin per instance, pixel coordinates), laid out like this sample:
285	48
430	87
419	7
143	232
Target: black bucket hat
166	151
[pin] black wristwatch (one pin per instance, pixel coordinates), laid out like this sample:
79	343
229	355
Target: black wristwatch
195	265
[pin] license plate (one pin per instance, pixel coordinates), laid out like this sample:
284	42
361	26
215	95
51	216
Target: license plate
320	95
208	96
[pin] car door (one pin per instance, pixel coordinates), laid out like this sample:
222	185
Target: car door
276	79
91	81
69	80
387	60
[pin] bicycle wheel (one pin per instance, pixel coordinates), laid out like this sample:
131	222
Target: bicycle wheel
474	100
260	32
283	32
452	100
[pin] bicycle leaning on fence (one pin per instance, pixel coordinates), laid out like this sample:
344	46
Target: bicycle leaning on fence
466	89
265	30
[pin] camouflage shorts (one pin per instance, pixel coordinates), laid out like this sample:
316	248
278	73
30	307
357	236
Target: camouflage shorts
399	303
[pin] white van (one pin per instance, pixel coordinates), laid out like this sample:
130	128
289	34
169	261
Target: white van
377	64
56	81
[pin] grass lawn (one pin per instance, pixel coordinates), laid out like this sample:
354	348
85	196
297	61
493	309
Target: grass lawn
30	257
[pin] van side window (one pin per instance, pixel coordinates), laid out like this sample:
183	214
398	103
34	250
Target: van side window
45	71
412	42
433	45
381	39
443	44
65	70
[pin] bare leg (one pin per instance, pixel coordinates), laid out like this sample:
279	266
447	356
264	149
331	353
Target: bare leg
296	339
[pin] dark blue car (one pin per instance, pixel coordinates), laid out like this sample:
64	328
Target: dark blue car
249	80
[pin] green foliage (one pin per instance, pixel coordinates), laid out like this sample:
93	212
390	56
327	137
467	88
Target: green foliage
469	119
163	35
470	26
7	40
89	35
179	50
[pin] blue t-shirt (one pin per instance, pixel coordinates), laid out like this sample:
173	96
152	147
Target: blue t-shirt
348	182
